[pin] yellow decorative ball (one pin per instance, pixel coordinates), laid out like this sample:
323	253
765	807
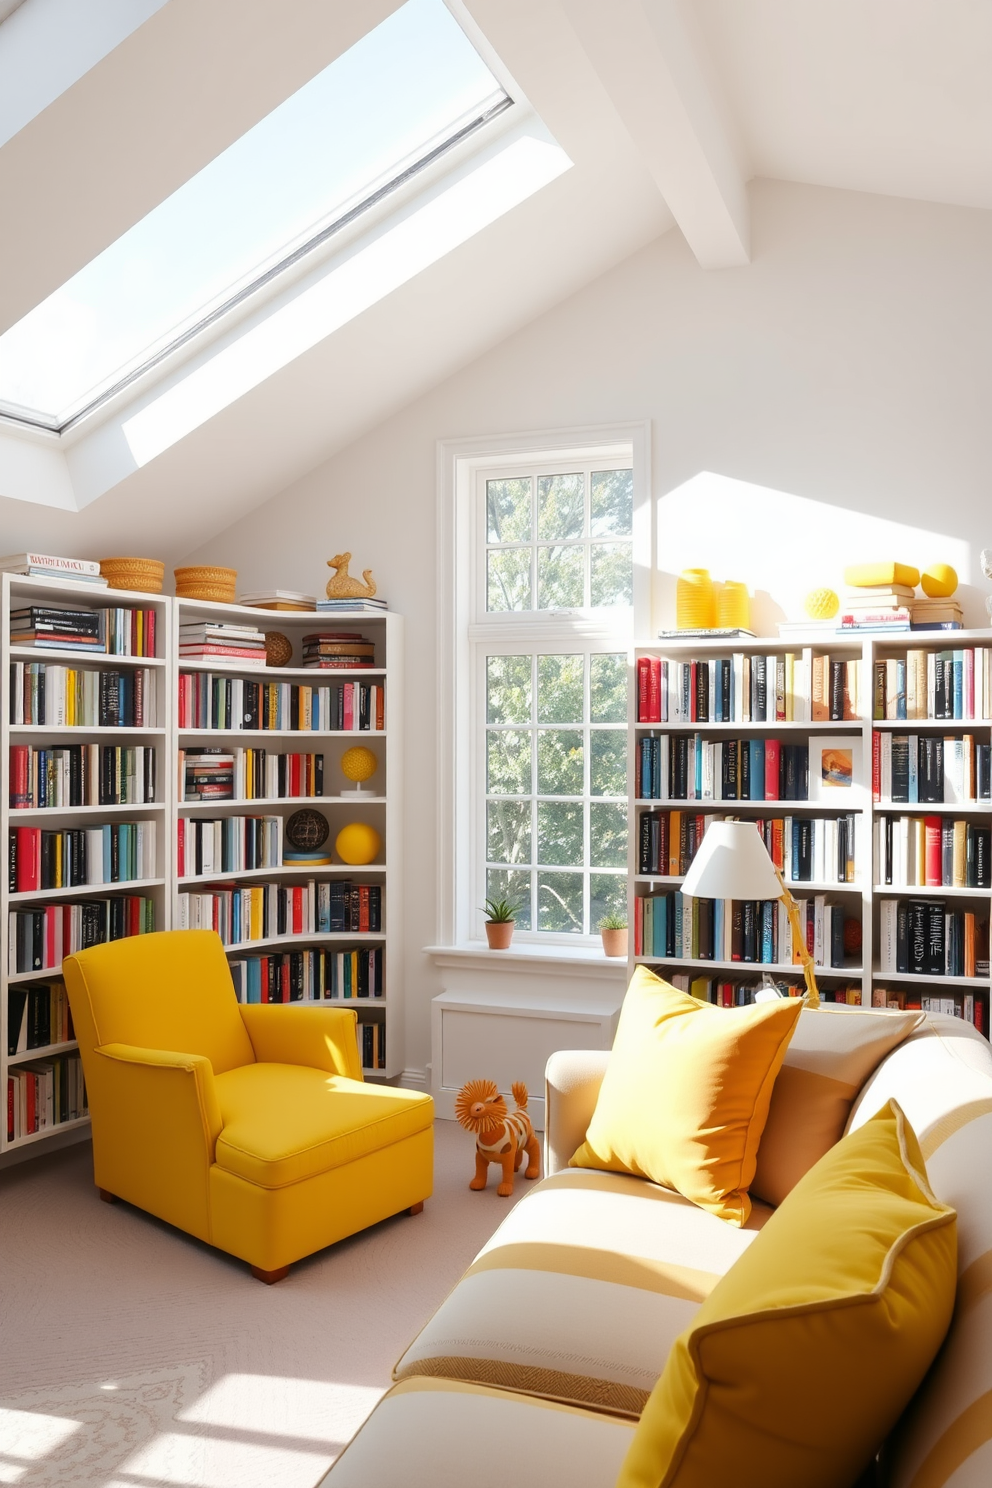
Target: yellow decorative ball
822	604
939	581
359	763
357	843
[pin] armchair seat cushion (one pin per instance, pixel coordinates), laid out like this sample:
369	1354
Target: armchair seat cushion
284	1123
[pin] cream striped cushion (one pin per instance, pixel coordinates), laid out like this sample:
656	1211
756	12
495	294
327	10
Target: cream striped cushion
581	1292
944	1076
442	1434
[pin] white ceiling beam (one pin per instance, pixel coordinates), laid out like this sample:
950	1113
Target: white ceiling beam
649	58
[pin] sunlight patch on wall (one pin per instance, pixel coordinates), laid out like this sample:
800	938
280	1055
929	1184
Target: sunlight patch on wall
782	546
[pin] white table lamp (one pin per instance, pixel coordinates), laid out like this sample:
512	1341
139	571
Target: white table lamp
732	862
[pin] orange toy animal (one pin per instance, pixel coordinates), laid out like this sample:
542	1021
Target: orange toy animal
501	1136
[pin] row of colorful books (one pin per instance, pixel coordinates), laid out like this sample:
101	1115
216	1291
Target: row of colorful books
804	849
372	1044
45	1093
81	775
935	685
207	701
249	775
316	975
932	852
37	1016
114	631
50	695
116	852
687	767
928	937
930	769
789	687
731	992
243	913
231	844
675	926
37	939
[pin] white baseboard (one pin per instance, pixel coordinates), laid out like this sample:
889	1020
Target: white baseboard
415	1079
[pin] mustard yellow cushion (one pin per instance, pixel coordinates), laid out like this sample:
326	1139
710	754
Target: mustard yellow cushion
801	1359
832	1052
285	1122
686	1092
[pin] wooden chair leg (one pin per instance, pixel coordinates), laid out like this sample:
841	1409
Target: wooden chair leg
108	1198
269	1277
416	1208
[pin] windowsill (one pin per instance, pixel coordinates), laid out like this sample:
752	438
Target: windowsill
556	960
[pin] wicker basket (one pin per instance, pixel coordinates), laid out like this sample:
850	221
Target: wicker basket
218	584
144	575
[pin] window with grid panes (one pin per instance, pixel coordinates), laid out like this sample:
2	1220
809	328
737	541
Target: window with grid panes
559	568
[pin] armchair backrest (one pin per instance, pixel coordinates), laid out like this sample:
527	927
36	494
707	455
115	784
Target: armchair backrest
171	990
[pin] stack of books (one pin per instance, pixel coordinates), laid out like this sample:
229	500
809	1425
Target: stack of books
208	775
335	606
47	566
57	628
937	614
878	607
278	599
338	648
215	641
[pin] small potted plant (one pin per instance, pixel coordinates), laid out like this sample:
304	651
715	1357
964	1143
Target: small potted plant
613	929
500	915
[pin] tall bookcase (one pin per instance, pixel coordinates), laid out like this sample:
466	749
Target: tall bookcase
380	807
866	975
17	593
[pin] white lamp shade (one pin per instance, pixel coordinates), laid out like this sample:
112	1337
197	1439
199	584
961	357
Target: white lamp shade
732	863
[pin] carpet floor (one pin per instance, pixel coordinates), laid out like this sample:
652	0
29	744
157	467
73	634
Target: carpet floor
132	1356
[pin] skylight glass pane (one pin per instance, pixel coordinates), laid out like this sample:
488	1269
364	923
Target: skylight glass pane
400	92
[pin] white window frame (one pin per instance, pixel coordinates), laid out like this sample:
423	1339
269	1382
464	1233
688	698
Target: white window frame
467	634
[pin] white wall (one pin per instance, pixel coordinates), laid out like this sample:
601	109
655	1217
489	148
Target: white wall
827	403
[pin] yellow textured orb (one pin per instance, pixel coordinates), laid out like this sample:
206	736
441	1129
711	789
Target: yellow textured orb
822	604
357	843
359	763
939	581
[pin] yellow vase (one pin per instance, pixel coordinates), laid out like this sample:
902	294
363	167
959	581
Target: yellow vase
733	606
695	604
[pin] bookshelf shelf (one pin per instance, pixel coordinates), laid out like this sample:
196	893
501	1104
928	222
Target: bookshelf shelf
284	870
59	731
314	675
309	938
870	672
357	736
47	1050
83	658
86	891
48	1131
54	814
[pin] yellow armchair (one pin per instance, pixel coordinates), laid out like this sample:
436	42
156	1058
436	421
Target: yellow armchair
249	1127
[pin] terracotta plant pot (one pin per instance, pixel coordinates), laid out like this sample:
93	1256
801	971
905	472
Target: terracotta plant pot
614	942
499	933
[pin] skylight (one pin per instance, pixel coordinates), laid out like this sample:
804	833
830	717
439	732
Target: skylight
382	111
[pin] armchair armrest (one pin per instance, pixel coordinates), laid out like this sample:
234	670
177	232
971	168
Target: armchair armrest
318	1037
156	1120
571	1083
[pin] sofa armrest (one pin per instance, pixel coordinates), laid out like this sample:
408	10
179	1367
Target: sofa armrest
571	1080
318	1037
156	1120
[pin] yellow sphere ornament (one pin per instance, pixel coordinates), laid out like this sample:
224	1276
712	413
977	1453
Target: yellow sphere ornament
939	581
821	604
357	843
358	764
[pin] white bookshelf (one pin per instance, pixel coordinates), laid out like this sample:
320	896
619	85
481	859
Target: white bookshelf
16	592
380	806
861	899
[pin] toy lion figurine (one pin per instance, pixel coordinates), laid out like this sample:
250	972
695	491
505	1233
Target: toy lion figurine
501	1136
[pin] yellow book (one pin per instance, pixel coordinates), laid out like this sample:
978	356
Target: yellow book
257	914
958	862
139	633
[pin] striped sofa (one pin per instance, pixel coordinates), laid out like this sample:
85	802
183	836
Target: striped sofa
537	1366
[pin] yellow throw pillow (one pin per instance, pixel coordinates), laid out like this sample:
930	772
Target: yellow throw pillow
686	1093
801	1359
833	1051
